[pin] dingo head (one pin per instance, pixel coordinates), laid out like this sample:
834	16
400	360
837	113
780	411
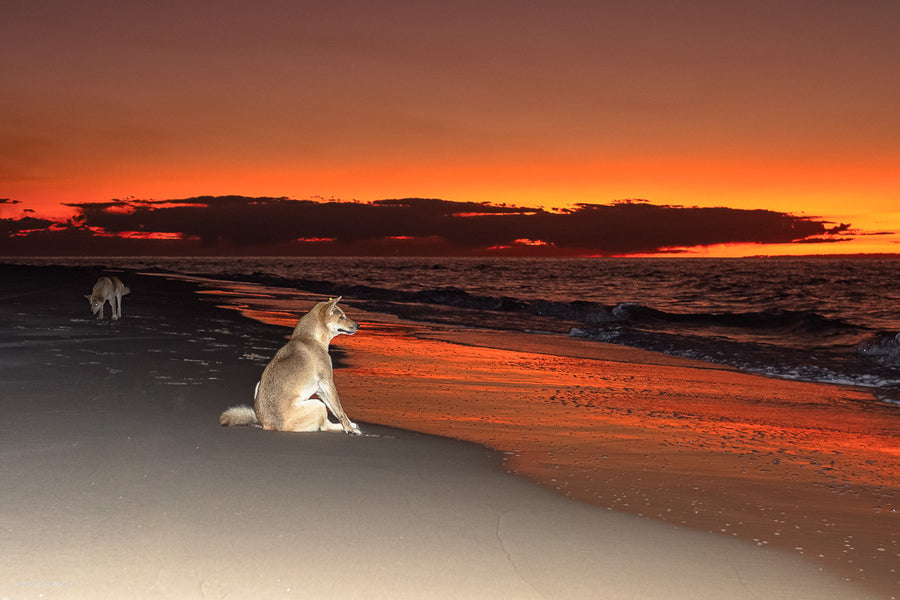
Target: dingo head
324	322
337	320
96	302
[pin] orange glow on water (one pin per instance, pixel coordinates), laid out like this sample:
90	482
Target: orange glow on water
802	467
792	465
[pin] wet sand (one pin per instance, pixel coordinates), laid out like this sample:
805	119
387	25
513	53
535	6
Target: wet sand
808	468
118	481
790	465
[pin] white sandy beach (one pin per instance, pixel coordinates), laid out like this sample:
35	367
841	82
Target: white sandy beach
119	483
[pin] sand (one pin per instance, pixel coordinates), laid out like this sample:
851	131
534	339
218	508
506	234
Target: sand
119	482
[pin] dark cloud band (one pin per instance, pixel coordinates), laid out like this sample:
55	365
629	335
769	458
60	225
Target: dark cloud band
237	224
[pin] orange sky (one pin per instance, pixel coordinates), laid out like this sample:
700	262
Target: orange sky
789	106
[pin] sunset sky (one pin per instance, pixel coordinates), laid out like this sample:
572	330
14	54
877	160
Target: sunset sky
790	107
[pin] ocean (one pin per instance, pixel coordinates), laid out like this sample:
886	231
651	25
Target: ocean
830	320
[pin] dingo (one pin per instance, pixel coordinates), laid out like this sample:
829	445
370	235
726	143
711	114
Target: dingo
302	368
108	289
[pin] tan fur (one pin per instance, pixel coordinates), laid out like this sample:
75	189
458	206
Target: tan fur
238	415
108	289
296	391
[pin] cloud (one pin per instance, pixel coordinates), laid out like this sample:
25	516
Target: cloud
243	225
252	221
23	226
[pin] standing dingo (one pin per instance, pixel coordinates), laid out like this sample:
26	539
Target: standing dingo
108	289
300	370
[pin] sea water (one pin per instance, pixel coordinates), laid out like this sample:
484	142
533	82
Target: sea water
830	319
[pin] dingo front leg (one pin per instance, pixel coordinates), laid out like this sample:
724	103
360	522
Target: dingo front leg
328	395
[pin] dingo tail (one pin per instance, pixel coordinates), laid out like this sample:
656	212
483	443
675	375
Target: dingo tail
238	415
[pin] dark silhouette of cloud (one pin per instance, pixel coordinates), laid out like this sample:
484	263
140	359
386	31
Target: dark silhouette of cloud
22	226
242	225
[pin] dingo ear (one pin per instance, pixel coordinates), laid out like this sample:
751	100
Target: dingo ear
88	296
332	302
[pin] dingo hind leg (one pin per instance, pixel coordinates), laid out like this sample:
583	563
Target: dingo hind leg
119	295
309	415
121	291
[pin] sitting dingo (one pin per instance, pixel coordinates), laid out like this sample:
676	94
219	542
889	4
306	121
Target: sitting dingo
302	368
108	289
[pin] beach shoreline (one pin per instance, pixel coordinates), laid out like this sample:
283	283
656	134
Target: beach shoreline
804	467
125	483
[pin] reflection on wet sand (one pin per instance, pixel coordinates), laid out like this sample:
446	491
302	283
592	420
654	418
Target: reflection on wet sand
786	464
810	468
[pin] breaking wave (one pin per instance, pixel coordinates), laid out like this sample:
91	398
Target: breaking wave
791	344
827	320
